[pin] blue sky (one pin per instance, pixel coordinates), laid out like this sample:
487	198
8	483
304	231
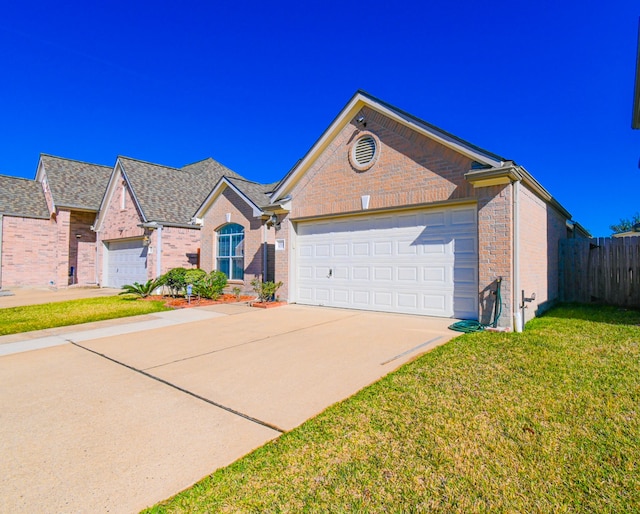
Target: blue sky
254	84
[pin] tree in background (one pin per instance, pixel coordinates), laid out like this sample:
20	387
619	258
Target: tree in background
625	224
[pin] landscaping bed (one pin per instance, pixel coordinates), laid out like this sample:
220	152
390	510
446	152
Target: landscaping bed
184	303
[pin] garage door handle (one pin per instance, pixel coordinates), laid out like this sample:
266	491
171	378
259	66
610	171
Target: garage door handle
330	273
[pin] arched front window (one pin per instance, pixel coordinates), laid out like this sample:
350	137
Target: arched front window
231	251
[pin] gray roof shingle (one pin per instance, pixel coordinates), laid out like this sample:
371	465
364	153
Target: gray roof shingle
76	184
172	195
257	193
22	197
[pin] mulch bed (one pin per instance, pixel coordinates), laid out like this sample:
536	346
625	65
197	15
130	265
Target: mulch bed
183	303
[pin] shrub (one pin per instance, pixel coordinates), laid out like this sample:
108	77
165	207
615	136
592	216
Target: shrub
174	279
266	291
211	286
193	276
142	290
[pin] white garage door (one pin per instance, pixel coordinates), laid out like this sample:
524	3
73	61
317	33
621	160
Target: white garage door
126	263
414	262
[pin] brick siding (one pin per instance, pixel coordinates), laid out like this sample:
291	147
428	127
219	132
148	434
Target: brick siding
29	254
541	229
228	202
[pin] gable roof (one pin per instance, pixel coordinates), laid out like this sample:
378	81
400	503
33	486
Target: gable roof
347	114
256	195
74	184
22	197
171	195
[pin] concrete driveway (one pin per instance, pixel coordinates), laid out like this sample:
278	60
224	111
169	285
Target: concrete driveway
118	423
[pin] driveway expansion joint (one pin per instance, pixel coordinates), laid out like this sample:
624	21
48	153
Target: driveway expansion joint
182	390
234	346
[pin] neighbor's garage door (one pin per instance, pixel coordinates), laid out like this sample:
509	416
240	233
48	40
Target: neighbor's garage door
414	262
126	263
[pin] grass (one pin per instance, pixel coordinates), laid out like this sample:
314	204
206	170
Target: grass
543	421
14	320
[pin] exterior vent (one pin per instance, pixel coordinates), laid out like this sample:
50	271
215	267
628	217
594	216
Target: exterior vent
364	152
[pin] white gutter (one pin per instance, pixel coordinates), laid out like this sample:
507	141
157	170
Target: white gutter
264	251
518	322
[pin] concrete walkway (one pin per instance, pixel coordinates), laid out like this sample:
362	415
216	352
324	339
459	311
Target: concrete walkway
18	297
122	416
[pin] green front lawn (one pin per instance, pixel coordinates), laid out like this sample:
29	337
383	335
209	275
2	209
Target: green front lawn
543	421
14	320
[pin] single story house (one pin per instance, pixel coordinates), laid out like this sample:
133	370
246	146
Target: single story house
387	212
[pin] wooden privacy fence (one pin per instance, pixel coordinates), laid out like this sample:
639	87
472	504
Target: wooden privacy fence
605	269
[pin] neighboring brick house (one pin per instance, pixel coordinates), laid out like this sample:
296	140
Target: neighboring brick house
145	225
46	235
387	212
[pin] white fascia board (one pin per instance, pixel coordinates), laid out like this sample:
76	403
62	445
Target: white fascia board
338	124
438	136
133	193
39	170
358	102
222	184
106	199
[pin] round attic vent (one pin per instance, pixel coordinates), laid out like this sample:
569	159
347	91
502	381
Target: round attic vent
364	152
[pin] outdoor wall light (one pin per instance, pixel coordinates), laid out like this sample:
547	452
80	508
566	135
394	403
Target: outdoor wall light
360	120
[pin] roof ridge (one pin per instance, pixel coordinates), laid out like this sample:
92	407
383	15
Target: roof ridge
428	124
74	160
149	162
2	175
201	160
240	177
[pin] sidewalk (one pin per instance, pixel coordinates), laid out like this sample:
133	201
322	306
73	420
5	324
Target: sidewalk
27	341
21	296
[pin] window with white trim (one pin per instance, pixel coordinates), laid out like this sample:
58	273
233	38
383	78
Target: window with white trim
231	251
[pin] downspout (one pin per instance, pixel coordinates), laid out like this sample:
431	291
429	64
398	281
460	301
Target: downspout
517	316
159	251
264	252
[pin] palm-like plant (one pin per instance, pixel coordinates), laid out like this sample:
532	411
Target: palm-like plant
142	290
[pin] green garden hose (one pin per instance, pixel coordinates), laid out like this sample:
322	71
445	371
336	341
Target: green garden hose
469	326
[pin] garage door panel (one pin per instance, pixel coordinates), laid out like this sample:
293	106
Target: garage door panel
382	299
383	248
423	262
407	300
385	273
434	275
360	249
361	298
407	273
360	273
341	250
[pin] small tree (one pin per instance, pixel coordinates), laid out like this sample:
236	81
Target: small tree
266	291
625	224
